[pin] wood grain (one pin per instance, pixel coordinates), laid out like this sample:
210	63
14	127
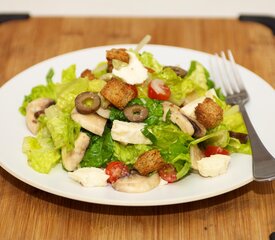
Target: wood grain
28	213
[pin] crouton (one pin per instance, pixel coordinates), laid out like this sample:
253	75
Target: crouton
148	162
118	92
119	54
209	113
87	74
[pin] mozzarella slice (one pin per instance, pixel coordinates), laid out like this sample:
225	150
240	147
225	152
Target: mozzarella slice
134	72
128	132
90	177
214	165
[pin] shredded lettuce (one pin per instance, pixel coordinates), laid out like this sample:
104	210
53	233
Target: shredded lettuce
41	152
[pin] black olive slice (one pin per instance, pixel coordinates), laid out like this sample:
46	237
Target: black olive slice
87	102
242	137
178	70
136	113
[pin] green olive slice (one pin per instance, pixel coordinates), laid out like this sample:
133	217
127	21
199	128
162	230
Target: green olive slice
136	113
87	102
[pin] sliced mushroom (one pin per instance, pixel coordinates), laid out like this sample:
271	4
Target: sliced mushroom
91	122
177	117
71	159
195	155
105	113
34	110
200	130
136	183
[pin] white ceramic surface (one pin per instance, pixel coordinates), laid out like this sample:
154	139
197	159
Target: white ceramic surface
192	188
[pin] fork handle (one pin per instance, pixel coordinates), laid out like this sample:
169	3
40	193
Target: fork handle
263	161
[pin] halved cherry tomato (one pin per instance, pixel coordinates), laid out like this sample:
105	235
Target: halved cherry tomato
116	170
158	90
212	150
168	173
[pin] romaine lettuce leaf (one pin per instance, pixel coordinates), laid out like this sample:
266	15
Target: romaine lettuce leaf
234	146
219	137
67	92
129	153
148	60
173	145
69	74
62	128
41	152
45	91
100	69
100	150
195	81
155	109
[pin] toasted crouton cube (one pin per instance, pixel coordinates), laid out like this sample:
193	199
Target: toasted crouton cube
209	113
118	93
87	73
119	54
148	162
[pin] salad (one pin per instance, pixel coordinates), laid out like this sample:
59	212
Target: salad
132	123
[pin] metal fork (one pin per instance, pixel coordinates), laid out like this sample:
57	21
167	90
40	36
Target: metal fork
231	83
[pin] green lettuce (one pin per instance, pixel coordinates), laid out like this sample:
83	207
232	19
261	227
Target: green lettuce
148	60
100	69
100	150
96	85
41	152
173	145
67	92
155	109
129	153
196	80
69	74
62	128
234	146
218	137
40	91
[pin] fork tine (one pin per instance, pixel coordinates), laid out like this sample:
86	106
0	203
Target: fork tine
225	86
237	77
228	72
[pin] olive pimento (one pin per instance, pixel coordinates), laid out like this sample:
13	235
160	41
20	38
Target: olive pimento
136	113
87	102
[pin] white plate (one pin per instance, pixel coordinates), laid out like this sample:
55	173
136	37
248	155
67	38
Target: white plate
191	188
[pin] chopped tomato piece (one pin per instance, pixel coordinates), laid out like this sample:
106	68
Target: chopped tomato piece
212	150
158	90
116	170
168	173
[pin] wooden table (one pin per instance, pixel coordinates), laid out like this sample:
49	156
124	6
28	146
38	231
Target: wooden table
28	213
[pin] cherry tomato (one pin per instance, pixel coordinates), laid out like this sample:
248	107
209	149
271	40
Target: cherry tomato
168	173
116	170
158	90
212	150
